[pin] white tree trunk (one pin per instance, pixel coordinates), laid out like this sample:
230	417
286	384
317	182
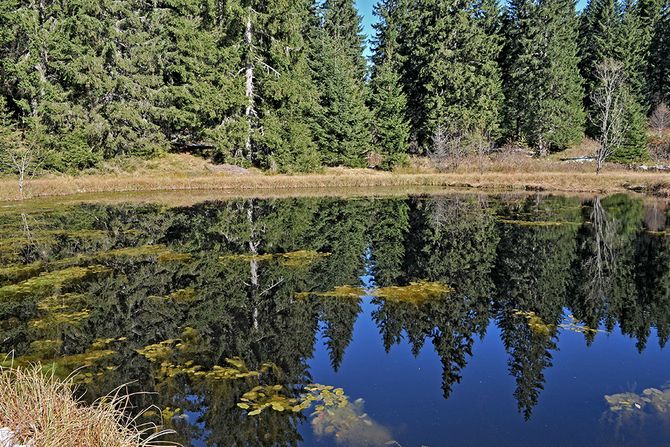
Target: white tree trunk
250	111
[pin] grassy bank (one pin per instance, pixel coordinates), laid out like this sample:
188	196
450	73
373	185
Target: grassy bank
183	173
39	410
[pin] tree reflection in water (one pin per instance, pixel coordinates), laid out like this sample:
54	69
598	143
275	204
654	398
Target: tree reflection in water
256	280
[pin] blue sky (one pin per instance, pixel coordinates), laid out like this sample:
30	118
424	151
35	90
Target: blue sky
365	9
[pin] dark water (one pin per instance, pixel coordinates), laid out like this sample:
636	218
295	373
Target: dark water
445	321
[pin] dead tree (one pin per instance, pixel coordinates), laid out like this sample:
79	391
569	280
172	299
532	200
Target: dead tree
660	119
609	101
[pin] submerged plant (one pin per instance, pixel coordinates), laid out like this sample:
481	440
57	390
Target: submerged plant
633	403
540	327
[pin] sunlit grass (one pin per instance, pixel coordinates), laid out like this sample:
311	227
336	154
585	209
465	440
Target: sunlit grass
40	411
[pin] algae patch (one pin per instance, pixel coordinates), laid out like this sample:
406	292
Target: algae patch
414	292
48	281
345	291
293	259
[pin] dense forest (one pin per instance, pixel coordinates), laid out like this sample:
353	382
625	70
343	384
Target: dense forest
284	84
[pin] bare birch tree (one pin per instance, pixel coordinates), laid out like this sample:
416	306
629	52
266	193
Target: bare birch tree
609	101
660	119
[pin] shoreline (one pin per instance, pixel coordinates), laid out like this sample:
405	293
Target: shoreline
342	181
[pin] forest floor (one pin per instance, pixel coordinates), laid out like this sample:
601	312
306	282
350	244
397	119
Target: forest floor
180	172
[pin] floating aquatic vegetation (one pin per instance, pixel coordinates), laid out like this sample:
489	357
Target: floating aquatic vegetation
338	292
301	258
293	259
57	319
45	348
158	352
64	302
269	397
531	223
575	325
20	272
182	295
632	403
535	323
334	414
164	353
160	252
48	281
237	369
247	257
415	292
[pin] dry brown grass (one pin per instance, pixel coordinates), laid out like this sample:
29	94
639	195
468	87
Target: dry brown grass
41	412
508	174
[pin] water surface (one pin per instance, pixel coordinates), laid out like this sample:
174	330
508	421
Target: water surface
459	320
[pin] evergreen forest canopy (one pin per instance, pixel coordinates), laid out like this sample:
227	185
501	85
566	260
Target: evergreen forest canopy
284	85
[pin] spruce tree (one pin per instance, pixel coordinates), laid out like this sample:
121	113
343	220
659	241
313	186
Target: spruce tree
201	99
450	66
543	86
343	23
388	102
611	30
342	128
659	59
284	99
343	123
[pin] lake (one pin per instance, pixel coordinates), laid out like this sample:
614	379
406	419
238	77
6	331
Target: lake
429	320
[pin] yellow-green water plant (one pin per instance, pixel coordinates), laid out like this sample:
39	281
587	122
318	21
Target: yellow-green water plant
345	291
540	327
413	293
47	282
293	259
536	324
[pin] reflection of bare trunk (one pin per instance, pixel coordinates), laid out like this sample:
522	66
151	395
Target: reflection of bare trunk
655	215
599	266
249	84
253	264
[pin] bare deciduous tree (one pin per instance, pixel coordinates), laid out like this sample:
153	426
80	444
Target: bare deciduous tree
24	160
609	101
660	119
450	149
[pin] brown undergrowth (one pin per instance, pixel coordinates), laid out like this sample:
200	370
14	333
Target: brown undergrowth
508	174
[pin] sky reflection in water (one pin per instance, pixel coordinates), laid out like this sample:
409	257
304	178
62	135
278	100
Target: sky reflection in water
162	296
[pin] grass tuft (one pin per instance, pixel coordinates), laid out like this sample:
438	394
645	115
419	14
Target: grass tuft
41	411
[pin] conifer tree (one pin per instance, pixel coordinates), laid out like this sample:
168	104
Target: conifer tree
343	23
659	58
450	66
388	102
201	97
343	124
543	86
613	31
283	98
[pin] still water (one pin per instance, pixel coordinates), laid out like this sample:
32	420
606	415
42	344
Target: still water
455	320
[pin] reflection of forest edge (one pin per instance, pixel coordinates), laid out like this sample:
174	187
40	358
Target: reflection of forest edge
93	285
